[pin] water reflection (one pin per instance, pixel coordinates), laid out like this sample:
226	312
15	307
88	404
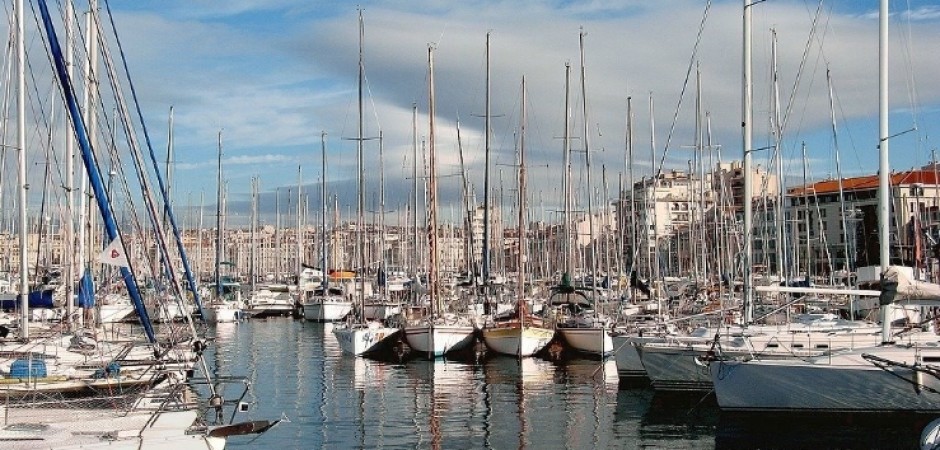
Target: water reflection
336	401
820	430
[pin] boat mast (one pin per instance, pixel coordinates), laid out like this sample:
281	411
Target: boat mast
277	234
414	212
202	207
783	265
746	147
21	176
486	185
469	201
587	163
433	285
633	231
253	256
218	226
299	237
566	276
168	167
521	233
325	244
360	206
884	208
652	203
383	263
842	211
70	173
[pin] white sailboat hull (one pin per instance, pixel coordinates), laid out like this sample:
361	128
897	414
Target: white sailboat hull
626	355
327	310
438	340
360	340
265	303
675	368
222	313
847	382
593	340
517	340
678	365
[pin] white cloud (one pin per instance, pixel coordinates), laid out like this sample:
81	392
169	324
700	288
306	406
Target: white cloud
273	74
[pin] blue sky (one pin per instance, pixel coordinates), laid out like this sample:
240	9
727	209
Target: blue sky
273	74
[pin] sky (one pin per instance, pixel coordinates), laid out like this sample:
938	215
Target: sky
273	75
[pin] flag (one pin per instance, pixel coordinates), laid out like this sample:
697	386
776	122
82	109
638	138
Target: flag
114	254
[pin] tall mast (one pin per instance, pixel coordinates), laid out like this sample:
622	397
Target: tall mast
218	226
382	261
653	258
783	266
252	261
169	166
199	259
698	261
486	182
587	161
468	223
277	234
884	208
567	181
299	237
521	233
360	206
414	178
433	285
85	235
71	259
842	212
325	244
747	147
633	231
21	176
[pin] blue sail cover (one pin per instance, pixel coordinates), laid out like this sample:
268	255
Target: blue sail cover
86	291
37	299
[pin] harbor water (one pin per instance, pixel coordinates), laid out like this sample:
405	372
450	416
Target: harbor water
331	400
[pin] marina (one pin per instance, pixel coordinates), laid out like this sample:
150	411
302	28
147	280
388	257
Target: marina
408	280
333	401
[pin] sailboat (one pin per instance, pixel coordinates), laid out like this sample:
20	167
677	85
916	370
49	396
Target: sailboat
437	333
357	336
269	299
326	302
892	376
523	334
381	306
585	329
226	304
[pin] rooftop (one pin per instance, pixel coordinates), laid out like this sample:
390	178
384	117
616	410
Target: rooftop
867	182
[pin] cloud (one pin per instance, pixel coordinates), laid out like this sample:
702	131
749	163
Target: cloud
243	160
272	75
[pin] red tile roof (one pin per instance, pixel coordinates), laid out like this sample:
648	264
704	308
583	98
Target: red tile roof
866	182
